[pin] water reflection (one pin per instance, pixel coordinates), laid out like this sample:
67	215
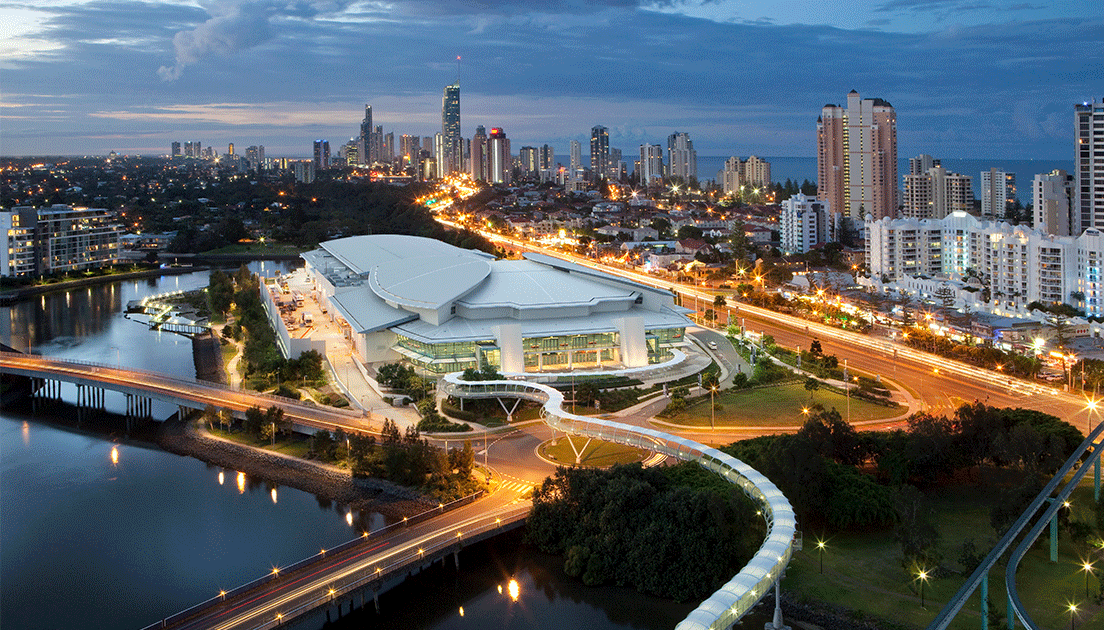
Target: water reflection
222	477
515	589
114	456
274	495
241	483
26	433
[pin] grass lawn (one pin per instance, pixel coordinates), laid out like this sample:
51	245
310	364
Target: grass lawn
267	247
777	406
296	445
597	454
863	572
228	352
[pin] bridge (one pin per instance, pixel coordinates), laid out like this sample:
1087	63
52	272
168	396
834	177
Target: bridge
142	387
304	589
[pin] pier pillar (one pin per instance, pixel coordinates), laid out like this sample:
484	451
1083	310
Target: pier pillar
456	558
375	598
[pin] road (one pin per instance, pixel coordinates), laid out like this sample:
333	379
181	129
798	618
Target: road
941	384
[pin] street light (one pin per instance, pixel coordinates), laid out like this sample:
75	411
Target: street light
923	577
820	551
1087	567
1073	615
1090	406
712	408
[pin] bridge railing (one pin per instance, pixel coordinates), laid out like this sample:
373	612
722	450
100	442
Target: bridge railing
746	588
444	541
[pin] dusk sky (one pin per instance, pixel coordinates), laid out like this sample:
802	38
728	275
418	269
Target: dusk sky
968	78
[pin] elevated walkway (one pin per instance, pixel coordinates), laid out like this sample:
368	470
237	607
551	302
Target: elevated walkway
726	606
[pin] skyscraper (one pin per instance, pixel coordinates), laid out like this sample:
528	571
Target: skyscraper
682	159
651	165
321	154
409	148
547	157
450	129
998	193
479	170
176	149
576	159
599	151
1089	165
365	140
500	160
530	161
857	157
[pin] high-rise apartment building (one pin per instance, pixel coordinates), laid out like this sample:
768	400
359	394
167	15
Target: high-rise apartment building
1052	203
529	157
754	172
651	165
230	149
1089	164
857	157
175	149
547	158
921	164
450	161
321	154
804	222
682	159
479	169
616	166
388	154
757	172
364	144
935	193
38	241
350	152
500	161
998	193
599	152
576	159
255	155
409	147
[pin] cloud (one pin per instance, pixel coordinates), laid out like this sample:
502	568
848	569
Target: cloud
238	25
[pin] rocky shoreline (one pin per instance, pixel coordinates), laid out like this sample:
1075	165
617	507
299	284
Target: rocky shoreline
391	500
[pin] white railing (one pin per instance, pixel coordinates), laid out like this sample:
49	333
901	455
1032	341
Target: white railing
746	588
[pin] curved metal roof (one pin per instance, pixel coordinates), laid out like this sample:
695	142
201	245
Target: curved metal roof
429	282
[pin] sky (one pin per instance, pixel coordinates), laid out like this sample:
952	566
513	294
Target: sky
968	78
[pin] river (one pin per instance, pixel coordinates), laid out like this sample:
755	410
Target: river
101	532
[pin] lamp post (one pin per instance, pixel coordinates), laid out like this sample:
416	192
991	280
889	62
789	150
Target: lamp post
712	408
820	551
1073	615
923	577
1087	567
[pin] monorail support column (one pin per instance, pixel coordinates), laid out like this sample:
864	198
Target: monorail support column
1096	480
985	601
776	623
81	395
1011	614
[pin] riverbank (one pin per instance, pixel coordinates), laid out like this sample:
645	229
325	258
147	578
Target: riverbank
15	295
335	484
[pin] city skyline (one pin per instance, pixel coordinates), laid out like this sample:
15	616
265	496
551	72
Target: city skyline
283	75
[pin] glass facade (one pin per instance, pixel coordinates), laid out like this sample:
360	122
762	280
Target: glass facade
560	352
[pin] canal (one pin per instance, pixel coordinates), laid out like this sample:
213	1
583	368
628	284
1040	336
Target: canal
101	532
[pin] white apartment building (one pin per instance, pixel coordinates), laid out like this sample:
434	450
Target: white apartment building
60	238
651	165
804	222
1018	265
1052	203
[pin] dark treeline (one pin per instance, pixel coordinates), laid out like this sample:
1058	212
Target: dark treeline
676	532
312	213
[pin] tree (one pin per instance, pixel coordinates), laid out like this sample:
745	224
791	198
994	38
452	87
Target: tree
719	301
811	385
815	348
462	460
